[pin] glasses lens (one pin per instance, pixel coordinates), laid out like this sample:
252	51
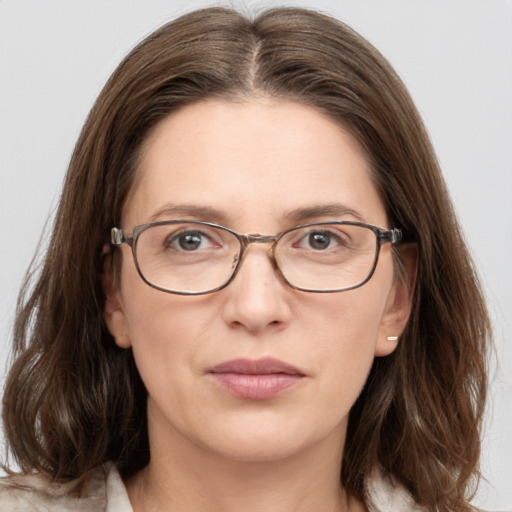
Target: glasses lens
186	257
327	257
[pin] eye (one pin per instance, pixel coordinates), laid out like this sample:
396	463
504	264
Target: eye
320	240
189	241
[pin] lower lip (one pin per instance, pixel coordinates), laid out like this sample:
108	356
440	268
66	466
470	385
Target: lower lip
255	387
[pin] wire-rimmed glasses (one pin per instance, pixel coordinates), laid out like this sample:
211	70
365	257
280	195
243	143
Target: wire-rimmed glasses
190	257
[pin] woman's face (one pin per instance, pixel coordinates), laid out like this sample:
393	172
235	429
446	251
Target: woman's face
257	166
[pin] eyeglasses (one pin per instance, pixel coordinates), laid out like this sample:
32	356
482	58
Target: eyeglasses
194	258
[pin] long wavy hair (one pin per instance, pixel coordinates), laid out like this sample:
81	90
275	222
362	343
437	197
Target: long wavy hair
74	400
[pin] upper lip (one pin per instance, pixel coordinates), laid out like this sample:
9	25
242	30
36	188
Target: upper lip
264	366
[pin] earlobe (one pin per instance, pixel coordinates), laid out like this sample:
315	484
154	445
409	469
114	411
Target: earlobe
398	307
114	311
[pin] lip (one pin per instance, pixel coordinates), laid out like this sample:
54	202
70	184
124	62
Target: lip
258	379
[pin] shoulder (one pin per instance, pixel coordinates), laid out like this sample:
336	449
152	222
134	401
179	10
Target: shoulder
384	494
103	491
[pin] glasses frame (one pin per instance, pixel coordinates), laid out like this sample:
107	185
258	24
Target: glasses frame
118	237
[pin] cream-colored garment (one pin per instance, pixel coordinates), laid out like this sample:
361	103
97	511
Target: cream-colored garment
384	495
105	492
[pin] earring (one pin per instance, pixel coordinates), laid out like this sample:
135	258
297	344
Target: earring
392	338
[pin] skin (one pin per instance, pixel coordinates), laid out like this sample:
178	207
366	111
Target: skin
254	162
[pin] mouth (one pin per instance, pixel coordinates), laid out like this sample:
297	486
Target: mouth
258	379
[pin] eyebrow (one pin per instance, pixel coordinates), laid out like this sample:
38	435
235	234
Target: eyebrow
302	215
189	211
210	214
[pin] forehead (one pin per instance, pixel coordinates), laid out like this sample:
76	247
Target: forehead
252	161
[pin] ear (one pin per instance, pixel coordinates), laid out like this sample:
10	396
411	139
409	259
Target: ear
114	312
399	303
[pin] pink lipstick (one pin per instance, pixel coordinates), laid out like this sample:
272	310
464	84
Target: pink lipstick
255	379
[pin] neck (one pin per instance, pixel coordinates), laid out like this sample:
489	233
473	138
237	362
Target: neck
183	476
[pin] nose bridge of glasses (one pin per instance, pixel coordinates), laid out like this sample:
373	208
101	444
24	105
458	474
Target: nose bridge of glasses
256	238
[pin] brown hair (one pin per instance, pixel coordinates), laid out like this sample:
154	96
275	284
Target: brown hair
74	400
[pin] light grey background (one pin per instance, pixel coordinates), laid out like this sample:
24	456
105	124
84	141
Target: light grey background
454	55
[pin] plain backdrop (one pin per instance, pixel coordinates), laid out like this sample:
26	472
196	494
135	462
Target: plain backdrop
454	55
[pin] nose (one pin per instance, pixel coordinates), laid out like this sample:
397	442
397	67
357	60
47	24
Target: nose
257	300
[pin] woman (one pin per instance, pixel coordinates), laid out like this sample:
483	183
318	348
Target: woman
256	295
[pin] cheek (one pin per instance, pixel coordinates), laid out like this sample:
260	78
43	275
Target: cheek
153	324
159	327
351	318
165	331
347	346
346	334
164	346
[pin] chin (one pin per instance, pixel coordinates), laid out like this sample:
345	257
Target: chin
260	442
248	450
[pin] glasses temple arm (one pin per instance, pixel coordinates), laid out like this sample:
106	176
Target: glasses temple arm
117	237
